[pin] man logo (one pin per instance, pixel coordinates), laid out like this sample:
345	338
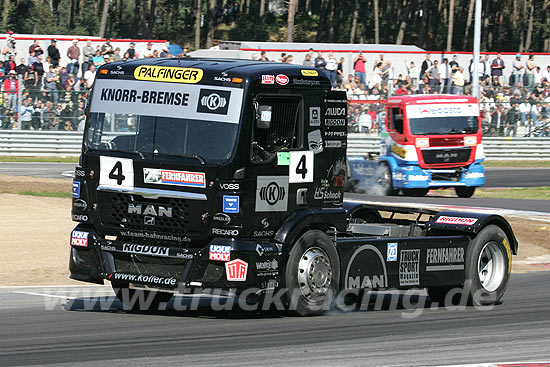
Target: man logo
214	101
272	194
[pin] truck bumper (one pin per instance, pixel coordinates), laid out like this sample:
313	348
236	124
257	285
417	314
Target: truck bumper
225	263
415	177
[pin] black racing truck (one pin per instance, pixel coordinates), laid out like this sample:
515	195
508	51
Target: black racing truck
200	174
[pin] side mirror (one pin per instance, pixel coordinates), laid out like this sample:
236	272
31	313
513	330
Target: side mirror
264	117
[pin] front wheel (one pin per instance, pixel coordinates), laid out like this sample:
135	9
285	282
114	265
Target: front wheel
385	181
138	299
312	274
465	191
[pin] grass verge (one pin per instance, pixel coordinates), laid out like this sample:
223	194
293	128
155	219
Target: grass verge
527	193
50	194
10	158
517	164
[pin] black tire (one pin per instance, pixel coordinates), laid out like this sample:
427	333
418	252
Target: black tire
312	298
385	180
475	291
138	299
415	192
465	191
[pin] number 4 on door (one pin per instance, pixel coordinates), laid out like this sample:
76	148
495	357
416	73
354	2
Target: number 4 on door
301	167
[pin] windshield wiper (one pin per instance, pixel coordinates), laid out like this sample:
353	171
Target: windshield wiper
199	158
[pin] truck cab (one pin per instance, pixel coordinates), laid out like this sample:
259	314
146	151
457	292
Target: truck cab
433	141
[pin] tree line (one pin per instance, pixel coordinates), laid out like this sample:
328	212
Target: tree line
507	25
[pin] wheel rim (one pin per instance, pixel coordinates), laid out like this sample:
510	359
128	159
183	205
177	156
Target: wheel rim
491	266
314	274
385	179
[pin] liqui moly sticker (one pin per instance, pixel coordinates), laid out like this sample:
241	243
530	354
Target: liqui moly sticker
236	270
79	238
456	220
219	253
268	79
170	177
282	79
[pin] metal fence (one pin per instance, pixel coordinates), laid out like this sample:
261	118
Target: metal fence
50	143
25	106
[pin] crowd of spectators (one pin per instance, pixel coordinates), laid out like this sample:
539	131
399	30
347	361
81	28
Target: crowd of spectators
53	86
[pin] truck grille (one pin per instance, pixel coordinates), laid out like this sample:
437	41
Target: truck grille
435	156
115	213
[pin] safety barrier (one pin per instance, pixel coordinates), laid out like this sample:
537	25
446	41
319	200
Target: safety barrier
49	143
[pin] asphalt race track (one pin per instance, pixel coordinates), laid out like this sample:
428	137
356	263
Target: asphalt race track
515	330
495	177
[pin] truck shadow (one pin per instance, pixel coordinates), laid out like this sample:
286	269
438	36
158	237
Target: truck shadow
230	308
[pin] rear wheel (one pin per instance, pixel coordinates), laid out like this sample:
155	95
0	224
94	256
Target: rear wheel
312	274
385	180
488	264
140	299
465	191
416	192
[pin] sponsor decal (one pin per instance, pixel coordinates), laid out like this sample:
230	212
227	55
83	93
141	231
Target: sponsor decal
392	252
301	166
443	110
336	111
149	221
267	265
307	82
335	144
184	255
282	79
263	233
272	194
472	175
398	150
108	248
409	267
116	72
417	178
269	285
219	253
79	172
80	217
80	204
177	178
265	223
309	72
146	96
336	122
150	210
444	255
155	236
366	269
315	116
221	217
337	173
168	74
261	249
145	250
336	134
79	238
315	141
222	79
231	204
141	278
268	79
76	189
225	232
283	158
229	186
236	270
170	100
456	220
325	193
214	101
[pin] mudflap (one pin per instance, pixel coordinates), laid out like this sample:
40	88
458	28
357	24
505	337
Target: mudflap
402	263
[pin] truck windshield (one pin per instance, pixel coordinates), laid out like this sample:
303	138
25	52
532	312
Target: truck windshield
208	140
444	125
155	118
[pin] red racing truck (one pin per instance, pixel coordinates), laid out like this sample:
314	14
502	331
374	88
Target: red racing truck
431	142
